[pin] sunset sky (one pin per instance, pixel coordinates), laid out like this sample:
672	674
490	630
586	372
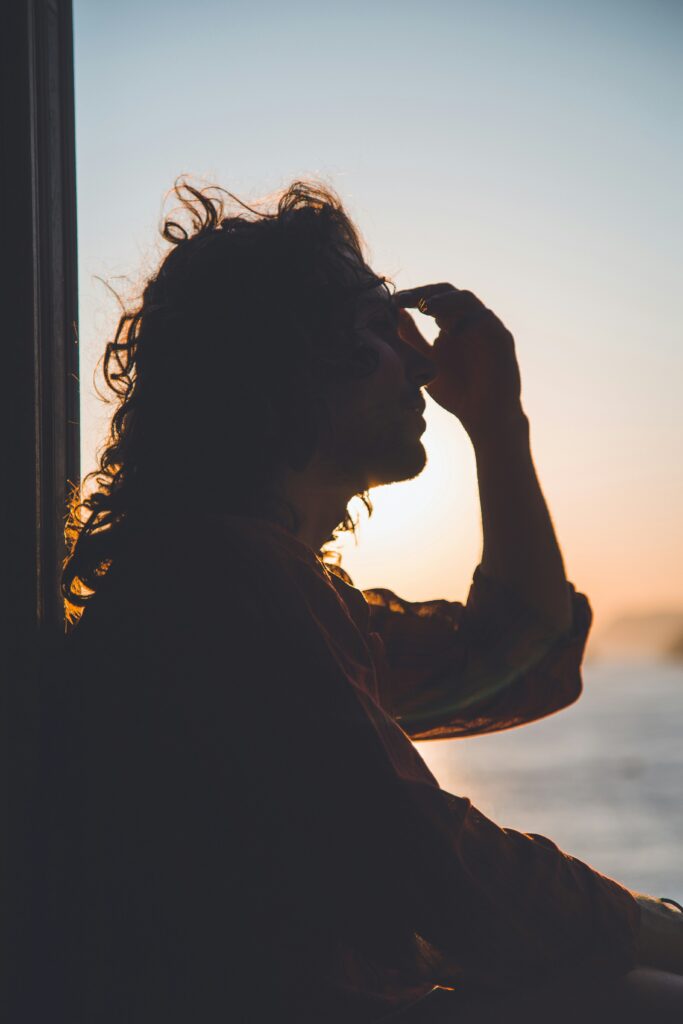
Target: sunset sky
529	151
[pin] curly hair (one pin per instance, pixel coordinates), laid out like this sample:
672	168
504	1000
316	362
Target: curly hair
219	370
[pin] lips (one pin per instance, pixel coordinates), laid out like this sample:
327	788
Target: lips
418	407
417	420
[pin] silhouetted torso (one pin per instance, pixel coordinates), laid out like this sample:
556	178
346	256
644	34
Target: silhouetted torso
238	830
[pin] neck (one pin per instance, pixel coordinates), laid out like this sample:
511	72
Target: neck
320	505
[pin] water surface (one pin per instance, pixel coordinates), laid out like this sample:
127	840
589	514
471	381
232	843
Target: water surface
603	778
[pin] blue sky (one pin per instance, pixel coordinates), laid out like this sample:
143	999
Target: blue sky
532	152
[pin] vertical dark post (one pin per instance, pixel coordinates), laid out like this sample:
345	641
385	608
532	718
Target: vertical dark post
40	353
39	435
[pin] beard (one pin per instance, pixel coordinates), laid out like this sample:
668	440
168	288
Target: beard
374	458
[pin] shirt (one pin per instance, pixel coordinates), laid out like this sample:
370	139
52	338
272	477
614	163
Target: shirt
254	831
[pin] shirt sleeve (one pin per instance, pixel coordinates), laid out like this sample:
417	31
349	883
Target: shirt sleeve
451	669
523	897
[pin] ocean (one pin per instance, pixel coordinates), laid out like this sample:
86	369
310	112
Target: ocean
603	778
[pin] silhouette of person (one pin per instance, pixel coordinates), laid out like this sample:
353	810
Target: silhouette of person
238	824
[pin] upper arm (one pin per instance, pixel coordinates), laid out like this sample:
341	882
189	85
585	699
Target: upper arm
454	669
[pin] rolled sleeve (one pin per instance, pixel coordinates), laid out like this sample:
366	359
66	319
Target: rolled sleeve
490	664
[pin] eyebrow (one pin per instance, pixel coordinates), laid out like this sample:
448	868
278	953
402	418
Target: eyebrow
385	306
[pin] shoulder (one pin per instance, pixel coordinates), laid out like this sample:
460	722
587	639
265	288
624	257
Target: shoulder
205	547
176	566
230	561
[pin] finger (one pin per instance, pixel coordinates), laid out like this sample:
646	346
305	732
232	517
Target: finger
410	297
454	325
409	332
456	298
453	309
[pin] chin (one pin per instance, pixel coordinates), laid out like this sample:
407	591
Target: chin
400	464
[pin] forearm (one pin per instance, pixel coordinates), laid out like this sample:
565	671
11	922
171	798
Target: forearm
520	548
531	908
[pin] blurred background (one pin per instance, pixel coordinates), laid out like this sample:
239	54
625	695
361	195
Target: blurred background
531	152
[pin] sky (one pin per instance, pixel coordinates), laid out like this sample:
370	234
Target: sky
531	152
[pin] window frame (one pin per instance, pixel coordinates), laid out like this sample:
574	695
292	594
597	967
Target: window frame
41	409
39	420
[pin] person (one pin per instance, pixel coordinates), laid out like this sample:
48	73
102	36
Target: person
239	826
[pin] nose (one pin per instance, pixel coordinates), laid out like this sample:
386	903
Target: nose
421	364
420	368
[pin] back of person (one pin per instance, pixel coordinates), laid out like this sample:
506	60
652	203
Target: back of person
189	850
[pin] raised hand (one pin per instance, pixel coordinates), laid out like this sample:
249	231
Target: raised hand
478	378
